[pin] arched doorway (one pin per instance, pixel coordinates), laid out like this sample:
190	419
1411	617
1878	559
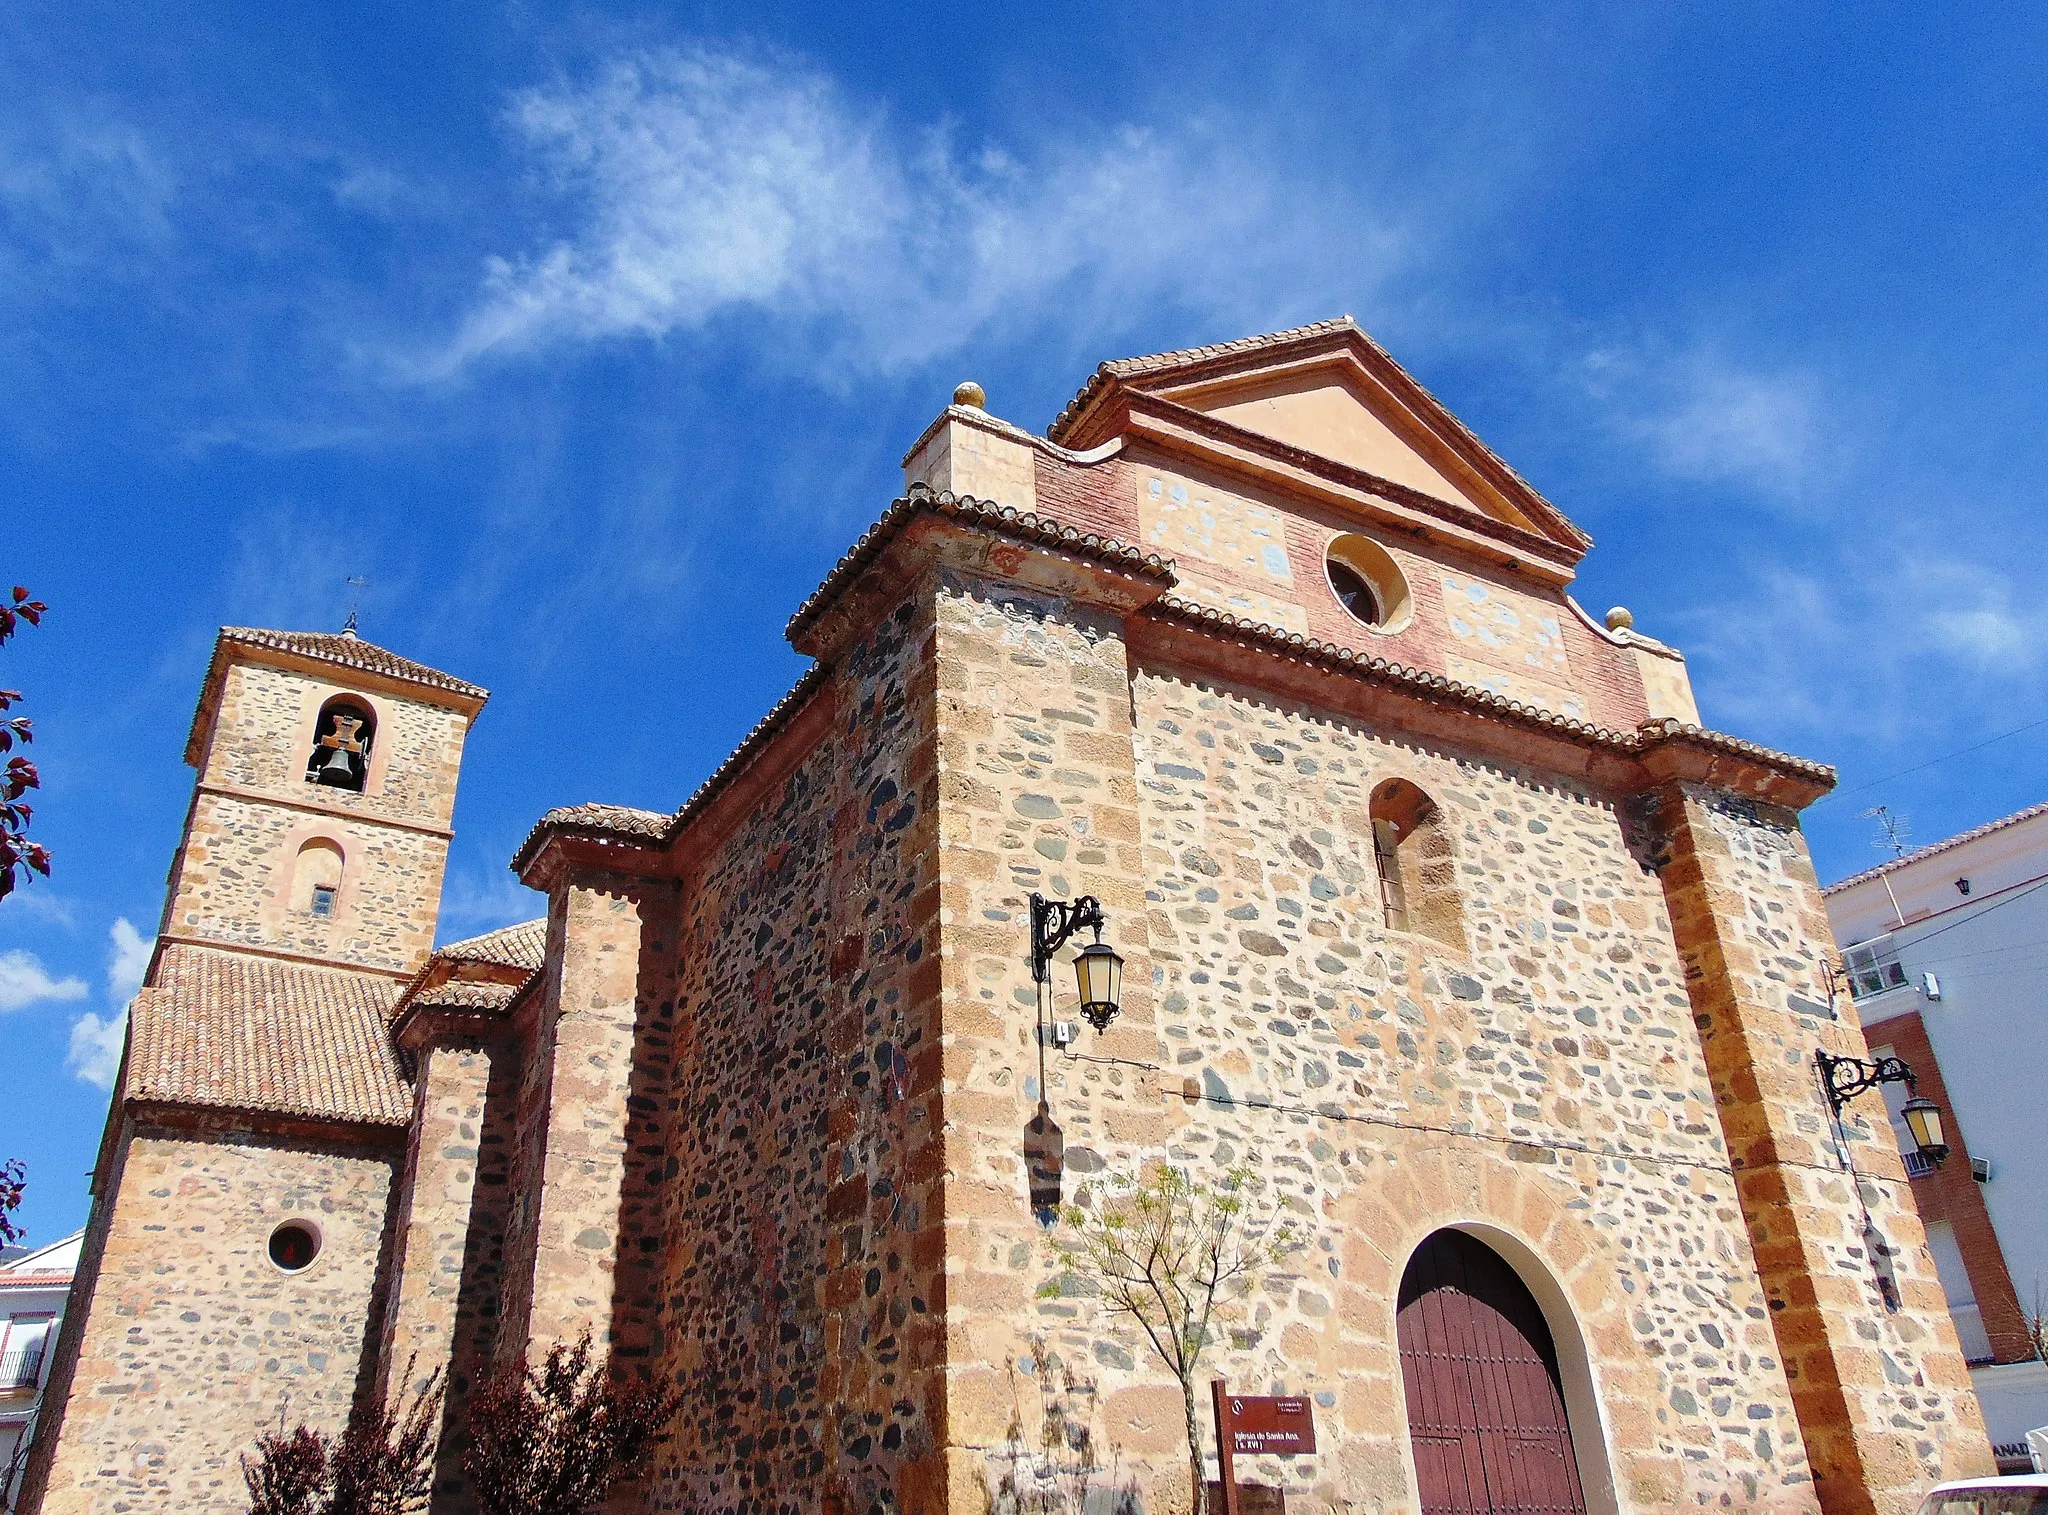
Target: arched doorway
1486	1409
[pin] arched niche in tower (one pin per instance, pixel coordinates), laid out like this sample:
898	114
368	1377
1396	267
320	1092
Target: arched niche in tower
316	877
1418	874
342	740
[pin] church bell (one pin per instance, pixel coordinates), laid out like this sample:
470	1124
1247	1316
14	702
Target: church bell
338	767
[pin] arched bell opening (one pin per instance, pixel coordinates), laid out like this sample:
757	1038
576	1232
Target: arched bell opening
342	739
1502	1411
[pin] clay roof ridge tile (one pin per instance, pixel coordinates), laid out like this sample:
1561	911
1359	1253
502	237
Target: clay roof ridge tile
352	652
1933	849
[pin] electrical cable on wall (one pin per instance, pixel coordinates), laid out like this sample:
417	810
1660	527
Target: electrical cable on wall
1726	1170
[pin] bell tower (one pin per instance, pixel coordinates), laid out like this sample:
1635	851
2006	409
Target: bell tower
320	821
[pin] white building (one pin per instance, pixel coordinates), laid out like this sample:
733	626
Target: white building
33	1288
1946	953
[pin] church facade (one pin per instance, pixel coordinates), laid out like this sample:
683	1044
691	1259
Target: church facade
1439	910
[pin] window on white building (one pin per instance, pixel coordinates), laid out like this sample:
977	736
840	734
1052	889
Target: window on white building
1962	1295
21	1351
1873	967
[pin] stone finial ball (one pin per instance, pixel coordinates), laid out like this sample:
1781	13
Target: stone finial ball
1620	618
971	393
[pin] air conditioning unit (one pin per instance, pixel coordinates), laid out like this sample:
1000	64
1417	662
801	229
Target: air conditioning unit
1930	986
1980	1169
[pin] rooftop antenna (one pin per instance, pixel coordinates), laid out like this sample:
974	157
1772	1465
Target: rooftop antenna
1894	827
357	584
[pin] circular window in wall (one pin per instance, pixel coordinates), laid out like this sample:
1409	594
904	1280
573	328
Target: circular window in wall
294	1245
1368	583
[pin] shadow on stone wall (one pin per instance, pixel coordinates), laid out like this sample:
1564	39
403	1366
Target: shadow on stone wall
1045	1159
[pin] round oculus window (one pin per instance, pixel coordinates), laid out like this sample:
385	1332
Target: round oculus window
1368	583
294	1245
1354	593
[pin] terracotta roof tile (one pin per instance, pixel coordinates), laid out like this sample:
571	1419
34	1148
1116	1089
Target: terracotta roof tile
460	994
1934	848
352	652
521	946
238	1032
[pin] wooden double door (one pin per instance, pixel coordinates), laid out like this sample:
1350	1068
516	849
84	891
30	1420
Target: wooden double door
1485	1406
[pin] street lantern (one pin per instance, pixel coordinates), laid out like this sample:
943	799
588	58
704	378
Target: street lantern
1843	1078
1923	1119
1100	974
1098	970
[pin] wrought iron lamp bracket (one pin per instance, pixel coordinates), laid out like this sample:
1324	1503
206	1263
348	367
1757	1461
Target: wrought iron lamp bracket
1053	924
1846	1077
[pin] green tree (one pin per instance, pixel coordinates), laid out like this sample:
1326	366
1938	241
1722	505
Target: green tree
1174	1256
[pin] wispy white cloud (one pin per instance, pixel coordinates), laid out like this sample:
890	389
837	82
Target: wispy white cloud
81	187
95	1051
1702	416
24	982
1849	652
44	904
127	960
699	182
94	1054
472	902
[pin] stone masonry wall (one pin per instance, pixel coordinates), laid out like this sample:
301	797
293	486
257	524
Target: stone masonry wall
1541	1085
234	875
803	1289
194	1336
1884	1398
592	1051
449	1265
253	811
263	736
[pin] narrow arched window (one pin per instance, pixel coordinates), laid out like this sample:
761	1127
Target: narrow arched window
341	744
316	878
1418	876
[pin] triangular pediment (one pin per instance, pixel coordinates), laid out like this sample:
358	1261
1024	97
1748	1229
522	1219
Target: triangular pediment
1331	402
1333	412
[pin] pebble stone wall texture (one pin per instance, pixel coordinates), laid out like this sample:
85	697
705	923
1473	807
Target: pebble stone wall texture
191	1336
1276	996
804	1245
186	1298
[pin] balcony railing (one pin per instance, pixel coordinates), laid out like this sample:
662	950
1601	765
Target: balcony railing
21	1369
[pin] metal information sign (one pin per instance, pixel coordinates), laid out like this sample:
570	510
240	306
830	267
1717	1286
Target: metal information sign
1257	1423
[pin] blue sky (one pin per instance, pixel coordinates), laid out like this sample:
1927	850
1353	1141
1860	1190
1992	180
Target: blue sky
592	337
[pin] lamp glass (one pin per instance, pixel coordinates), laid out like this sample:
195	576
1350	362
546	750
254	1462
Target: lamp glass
1100	974
1923	1119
